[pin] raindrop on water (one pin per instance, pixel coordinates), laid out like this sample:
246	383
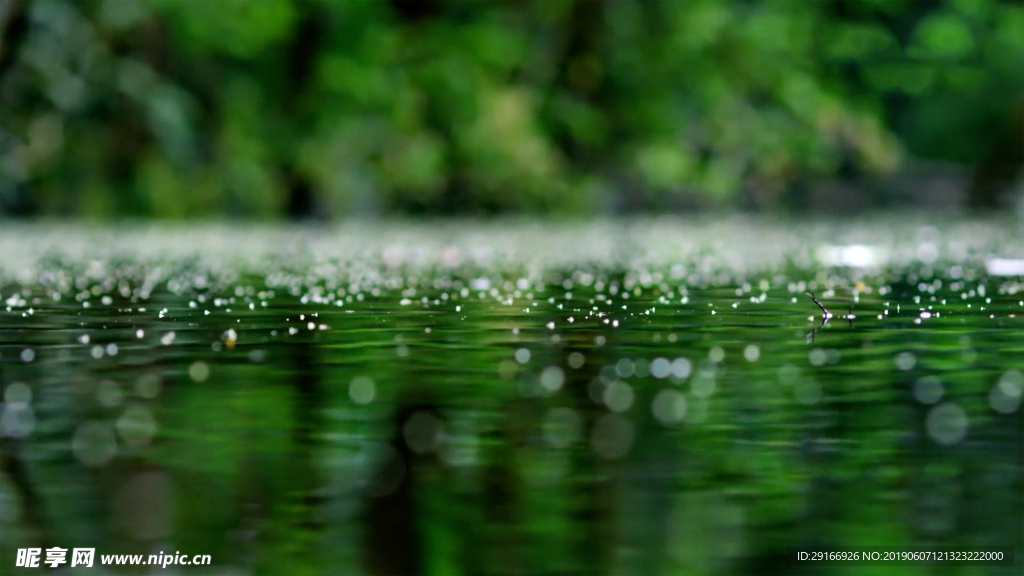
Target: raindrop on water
751	353
137	426
17	421
109	394
422	431
618	396
716	354
18	395
507	369
928	390
199	371
624	368
947	424
1011	383
703	384
552	378
669	407
362	390
681	368
905	360
522	355
641	368
1005	396
1002	402
661	368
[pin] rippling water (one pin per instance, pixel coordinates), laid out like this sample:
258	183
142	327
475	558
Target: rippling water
659	397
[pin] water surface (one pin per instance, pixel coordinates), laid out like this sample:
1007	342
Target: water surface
655	397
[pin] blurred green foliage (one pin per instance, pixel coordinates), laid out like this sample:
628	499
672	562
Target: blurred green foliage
265	108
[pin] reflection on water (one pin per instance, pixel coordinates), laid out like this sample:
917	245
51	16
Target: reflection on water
374	416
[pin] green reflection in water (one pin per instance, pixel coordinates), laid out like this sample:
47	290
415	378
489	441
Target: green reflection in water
592	420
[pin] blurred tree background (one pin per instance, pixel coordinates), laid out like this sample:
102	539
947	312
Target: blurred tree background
272	108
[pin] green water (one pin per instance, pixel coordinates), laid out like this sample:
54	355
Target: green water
442	403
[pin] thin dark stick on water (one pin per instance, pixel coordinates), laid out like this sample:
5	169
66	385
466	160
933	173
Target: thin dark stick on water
824	311
825	317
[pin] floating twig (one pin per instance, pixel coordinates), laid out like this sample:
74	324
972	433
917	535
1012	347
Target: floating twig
824	311
814	331
825	316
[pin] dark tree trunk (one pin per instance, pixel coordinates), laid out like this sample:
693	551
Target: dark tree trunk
13	31
1002	165
303	51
